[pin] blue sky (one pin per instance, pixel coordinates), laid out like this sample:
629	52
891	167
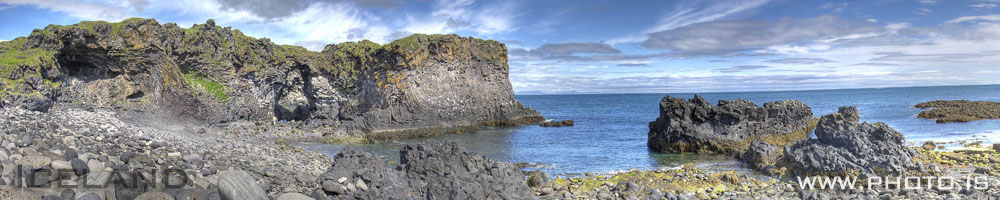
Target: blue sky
622	46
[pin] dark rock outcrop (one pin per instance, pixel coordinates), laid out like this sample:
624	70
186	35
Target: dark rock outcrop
728	128
215	74
431	170
557	123
845	147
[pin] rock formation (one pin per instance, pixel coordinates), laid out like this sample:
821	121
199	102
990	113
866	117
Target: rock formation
215	74
959	110
728	128
557	123
845	147
431	170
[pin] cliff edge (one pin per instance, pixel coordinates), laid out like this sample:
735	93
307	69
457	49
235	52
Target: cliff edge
414	86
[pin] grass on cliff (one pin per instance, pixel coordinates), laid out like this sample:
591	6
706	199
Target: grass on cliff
13	54
216	89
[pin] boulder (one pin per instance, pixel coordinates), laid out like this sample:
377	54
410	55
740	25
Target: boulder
726	128
761	156
845	147
239	185
431	170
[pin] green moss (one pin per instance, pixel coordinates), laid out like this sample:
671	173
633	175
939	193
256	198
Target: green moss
13	54
217	90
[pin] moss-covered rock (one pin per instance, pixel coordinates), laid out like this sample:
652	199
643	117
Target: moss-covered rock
959	110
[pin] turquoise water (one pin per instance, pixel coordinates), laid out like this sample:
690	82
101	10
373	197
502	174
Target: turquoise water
610	129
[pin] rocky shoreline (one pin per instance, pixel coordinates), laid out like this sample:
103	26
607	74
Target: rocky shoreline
97	146
959	110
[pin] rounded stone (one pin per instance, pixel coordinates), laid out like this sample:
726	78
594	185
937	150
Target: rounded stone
79	167
238	185
293	196
154	196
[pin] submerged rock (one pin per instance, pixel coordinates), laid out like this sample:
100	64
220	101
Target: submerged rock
557	123
726	128
432	170
845	147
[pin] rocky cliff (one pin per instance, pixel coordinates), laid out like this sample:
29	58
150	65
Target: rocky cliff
415	85
726	128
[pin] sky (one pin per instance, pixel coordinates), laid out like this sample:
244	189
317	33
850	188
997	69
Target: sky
574	46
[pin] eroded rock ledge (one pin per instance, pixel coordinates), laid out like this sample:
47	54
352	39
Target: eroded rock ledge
959	110
726	128
208	73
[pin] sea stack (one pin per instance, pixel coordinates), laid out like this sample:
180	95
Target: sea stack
726	128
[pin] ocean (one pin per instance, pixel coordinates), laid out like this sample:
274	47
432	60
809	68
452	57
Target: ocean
610	129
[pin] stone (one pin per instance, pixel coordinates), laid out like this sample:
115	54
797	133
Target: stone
761	156
89	196
293	196
35	161
996	147
70	154
418	176
562	123
332	187
193	159
360	184
726	128
154	196
239	185
95	165
929	145
539	178
844	147
79	167
61	165
341	179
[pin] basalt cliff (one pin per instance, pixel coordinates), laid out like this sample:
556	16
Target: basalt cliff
416	85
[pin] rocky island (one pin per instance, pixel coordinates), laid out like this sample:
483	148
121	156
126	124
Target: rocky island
959	110
727	128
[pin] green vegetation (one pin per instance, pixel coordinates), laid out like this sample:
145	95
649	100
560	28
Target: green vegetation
13	54
217	90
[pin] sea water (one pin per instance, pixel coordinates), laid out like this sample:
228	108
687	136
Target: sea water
610	130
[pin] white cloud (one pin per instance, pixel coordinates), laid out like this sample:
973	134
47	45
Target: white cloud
975	18
984	5
693	12
454	16
928	2
78	9
872	20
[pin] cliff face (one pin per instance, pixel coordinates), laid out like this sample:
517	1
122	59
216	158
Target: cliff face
216	74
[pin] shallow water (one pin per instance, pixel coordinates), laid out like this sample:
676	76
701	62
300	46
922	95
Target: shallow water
610	129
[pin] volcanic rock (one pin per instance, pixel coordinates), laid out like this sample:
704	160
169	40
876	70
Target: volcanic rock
726	128
845	147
